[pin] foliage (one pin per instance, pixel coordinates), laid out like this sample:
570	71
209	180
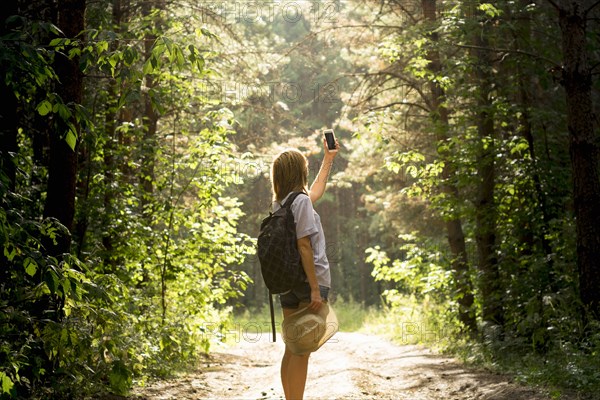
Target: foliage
151	257
411	320
182	108
58	321
491	52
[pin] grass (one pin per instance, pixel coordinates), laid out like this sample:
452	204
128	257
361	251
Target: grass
412	322
405	325
566	371
352	316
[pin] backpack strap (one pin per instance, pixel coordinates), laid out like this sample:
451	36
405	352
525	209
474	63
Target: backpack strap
291	198
272	315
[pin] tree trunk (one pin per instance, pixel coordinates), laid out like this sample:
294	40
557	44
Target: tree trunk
583	148
485	208
149	142
149	146
456	237
110	148
8	113
523	34
60	201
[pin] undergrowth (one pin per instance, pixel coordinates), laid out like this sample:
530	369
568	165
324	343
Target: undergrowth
244	323
567	368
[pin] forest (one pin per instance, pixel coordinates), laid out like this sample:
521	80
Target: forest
135	146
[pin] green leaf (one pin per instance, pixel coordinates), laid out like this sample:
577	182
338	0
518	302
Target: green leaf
490	10
113	60
520	147
63	111
51	279
7	383
129	56
71	139
102	46
30	266
147	69
207	33
44	108
10	251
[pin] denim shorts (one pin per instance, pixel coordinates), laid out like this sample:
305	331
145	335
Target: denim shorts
300	294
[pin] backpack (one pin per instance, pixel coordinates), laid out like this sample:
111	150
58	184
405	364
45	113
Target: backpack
280	263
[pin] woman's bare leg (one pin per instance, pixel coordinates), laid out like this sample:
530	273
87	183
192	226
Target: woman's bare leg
294	369
285	362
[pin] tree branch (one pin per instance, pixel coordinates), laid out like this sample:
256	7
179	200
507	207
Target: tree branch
400	103
521	52
590	8
554	4
405	10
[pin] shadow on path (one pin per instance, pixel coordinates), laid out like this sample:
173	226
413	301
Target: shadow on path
350	366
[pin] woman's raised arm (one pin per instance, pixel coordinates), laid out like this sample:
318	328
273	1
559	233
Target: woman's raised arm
318	186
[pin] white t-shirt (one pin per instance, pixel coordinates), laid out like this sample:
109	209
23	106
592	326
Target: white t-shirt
308	223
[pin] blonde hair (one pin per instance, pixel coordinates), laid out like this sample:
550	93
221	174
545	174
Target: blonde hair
289	173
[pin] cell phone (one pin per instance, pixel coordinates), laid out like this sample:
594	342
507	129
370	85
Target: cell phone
330	138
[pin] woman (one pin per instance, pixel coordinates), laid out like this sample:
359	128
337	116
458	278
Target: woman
289	173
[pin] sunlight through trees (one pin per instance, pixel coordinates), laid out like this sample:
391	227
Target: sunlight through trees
135	147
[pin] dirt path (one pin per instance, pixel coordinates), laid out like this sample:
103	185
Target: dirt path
350	366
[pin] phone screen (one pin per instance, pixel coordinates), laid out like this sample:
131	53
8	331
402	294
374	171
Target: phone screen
330	139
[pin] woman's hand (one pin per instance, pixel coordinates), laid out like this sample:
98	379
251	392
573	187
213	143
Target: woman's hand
330	154
315	299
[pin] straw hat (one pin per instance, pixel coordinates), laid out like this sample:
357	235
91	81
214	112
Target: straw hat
306	331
